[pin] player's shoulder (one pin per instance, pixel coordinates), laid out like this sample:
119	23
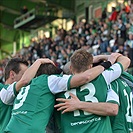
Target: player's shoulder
3	86
39	78
127	76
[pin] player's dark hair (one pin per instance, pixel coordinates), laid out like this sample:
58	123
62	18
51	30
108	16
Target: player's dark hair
48	69
14	65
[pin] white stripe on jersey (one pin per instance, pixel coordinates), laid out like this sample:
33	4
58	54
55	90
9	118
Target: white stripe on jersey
112	95
7	95
58	84
114	73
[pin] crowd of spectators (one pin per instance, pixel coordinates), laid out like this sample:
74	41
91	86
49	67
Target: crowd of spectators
110	33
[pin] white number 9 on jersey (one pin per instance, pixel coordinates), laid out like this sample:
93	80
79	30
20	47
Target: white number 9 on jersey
21	97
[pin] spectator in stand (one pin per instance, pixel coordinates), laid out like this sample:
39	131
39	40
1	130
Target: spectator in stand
109	50
120	49
122	29
129	41
73	39
130	44
99	25
105	33
103	46
127	8
114	14
124	16
104	14
24	10
113	43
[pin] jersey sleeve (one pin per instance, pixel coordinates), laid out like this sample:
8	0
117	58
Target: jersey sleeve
59	84
132	113
8	95
112	73
112	94
1	86
128	78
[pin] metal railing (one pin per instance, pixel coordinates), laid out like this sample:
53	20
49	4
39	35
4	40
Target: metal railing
25	16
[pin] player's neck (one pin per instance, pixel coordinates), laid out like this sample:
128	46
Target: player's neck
8	81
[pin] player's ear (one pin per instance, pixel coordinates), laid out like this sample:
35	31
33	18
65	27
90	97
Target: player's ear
71	69
90	66
12	74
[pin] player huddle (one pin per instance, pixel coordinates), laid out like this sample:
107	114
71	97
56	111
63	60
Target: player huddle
90	99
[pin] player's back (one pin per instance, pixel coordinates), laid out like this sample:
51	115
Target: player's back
33	107
122	121
5	111
81	121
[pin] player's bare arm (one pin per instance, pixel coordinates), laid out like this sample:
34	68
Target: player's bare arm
31	72
90	74
99	58
72	104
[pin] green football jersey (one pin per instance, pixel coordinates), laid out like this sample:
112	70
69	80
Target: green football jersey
5	111
129	80
121	123
34	104
132	111
80	121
